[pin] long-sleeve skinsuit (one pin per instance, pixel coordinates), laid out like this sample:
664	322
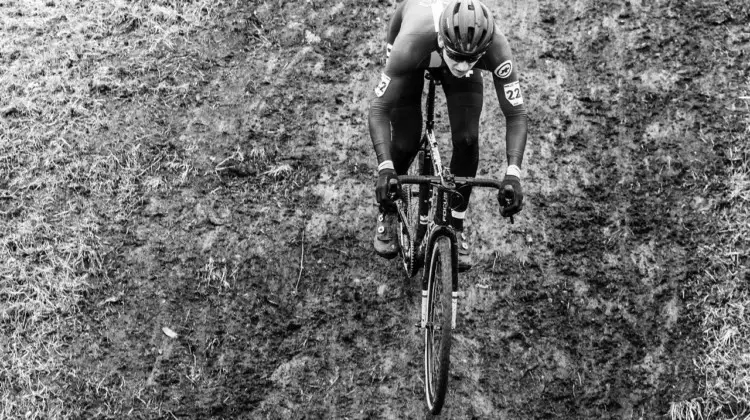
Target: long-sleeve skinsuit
395	118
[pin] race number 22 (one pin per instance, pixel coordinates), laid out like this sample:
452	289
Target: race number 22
513	93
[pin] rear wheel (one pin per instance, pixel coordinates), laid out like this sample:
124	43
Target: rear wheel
438	325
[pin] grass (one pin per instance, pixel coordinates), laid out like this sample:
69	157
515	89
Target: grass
726	305
73	169
727	321
70	176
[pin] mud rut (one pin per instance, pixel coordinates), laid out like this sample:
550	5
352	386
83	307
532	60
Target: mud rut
582	309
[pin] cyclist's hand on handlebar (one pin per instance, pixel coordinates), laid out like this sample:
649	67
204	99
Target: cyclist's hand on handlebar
510	196
387	188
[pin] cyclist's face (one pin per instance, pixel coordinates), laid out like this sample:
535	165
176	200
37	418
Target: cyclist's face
458	68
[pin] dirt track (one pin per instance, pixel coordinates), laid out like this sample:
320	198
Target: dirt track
261	261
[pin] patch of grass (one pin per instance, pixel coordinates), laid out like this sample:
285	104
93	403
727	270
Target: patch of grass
726	307
74	168
727	314
219	274
71	176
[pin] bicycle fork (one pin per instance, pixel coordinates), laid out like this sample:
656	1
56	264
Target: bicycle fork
435	232
454	307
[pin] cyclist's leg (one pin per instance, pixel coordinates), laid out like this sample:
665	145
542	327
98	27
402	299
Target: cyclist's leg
464	98
406	124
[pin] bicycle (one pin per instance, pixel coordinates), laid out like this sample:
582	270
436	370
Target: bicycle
427	239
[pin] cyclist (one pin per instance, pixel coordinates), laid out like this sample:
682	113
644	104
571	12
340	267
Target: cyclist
452	39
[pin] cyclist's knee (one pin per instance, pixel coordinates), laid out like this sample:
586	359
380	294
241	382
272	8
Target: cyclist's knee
466	141
465	155
401	153
404	147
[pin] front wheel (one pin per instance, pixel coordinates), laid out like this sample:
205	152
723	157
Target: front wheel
438	323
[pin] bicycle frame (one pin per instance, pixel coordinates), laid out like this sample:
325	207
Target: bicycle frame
444	183
428	238
441	221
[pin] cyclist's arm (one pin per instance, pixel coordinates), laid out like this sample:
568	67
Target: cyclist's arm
510	96
396	86
516	118
386	95
395	25
380	106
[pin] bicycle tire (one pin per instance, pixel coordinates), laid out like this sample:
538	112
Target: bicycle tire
438	326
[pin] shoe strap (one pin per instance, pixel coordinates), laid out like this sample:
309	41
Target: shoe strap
462	240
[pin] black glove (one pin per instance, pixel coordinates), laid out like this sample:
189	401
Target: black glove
387	187
510	196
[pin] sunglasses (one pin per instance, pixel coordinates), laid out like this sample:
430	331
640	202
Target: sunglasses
457	56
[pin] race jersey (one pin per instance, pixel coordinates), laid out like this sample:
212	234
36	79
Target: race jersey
412	45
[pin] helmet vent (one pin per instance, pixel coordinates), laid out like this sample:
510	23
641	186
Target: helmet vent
464	28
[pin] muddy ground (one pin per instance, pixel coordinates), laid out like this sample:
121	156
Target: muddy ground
254	246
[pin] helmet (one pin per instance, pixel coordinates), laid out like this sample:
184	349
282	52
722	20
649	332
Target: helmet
466	27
